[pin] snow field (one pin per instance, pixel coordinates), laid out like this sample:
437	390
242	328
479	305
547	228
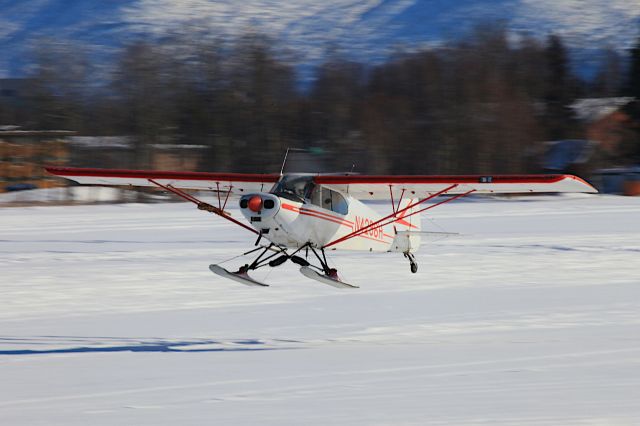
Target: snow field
532	316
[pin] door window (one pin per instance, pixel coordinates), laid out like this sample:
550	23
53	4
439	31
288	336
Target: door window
334	201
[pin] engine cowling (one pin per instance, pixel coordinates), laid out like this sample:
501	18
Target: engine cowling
259	207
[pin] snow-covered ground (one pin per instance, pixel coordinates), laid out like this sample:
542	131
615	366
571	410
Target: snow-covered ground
109	315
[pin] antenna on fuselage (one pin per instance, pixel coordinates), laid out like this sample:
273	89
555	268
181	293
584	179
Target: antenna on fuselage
286	154
284	161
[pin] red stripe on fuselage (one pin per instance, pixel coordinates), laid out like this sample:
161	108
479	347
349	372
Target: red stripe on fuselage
315	213
339	222
324	215
330	218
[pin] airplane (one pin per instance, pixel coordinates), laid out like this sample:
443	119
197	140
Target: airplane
303	215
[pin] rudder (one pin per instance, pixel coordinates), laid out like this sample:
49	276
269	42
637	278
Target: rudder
407	228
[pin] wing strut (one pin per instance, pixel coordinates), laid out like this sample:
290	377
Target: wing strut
393	217
393	203
202	205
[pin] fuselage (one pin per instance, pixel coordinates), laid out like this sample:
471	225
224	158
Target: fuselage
296	212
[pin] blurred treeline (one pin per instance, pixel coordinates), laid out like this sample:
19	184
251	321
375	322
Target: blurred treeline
484	103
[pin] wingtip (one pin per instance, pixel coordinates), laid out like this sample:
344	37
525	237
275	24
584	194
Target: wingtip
52	170
587	188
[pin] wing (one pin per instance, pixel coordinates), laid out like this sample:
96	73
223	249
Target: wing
381	187
236	183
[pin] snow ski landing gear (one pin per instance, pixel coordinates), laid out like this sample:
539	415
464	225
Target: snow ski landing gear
329	275
279	255
240	276
412	261
330	279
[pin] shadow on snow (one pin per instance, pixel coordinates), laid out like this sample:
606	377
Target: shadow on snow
111	344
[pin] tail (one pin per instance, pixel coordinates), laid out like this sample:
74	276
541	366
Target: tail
407	222
407	229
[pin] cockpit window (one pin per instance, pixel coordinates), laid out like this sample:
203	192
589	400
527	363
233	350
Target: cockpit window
296	188
302	189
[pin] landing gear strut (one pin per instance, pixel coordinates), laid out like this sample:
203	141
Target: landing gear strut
242	274
324	266
279	255
261	260
327	275
329	272
412	261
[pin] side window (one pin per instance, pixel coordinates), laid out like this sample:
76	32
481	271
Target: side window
316	196
339	204
332	200
326	199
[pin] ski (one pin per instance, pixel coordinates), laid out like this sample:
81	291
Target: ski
241	277
325	279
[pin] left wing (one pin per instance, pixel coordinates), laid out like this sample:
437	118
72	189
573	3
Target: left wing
235	183
380	187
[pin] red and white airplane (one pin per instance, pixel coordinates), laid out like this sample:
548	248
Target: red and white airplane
304	215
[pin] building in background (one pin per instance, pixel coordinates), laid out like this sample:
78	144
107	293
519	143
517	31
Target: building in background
611	146
571	156
606	122
23	154
180	157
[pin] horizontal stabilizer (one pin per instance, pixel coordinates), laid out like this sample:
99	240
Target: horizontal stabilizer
428	233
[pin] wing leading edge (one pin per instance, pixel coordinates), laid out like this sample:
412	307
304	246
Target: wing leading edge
365	187
381	187
237	183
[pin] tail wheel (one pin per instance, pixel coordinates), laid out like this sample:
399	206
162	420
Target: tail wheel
412	262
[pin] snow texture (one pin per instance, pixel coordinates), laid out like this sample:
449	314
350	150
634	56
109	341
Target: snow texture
531	317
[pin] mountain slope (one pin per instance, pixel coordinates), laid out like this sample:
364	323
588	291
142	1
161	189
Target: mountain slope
366	29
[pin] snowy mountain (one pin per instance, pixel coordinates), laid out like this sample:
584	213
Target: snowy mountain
366	29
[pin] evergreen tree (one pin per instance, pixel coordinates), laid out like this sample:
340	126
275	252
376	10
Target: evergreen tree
558	94
633	109
608	82
633	86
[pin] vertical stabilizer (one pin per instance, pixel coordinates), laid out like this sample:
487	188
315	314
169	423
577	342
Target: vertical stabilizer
407	222
407	229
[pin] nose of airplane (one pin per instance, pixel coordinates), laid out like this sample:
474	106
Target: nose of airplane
255	203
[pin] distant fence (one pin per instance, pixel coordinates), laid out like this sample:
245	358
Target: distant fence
86	195
72	194
625	181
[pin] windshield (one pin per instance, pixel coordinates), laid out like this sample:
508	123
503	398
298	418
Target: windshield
296	188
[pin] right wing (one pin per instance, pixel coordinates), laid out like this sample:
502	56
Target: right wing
380	187
236	183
